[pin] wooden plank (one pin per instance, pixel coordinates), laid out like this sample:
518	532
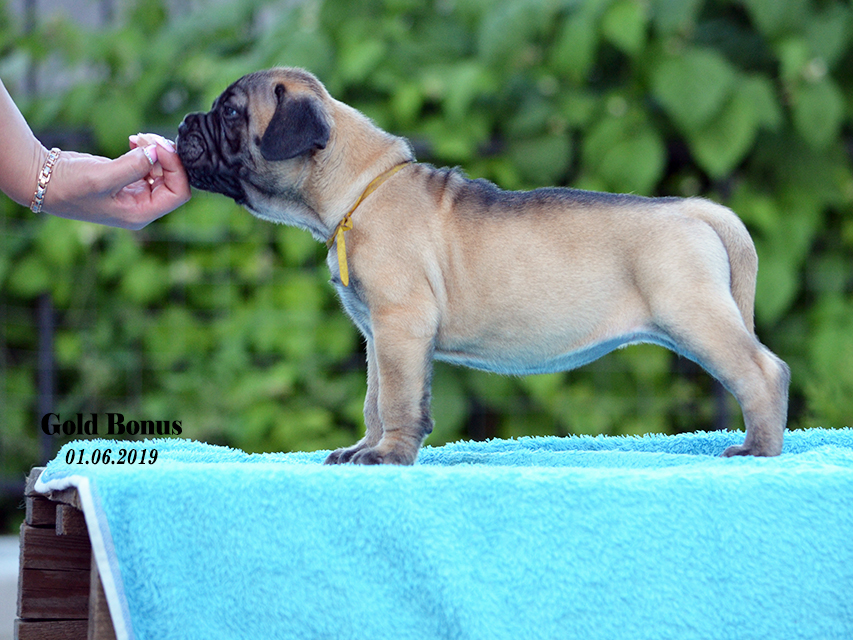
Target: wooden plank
41	512
66	496
43	549
70	521
45	594
29	489
50	629
100	620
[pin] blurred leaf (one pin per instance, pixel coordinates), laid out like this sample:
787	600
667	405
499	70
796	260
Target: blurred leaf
495	390
148	16
172	336
818	111
778	283
578	107
464	82
58	243
359	57
338	336
829	274
794	55
30	277
624	25
298	428
519	425
648	362
831	350
543	160
507	29
828	32
675	15
406	102
146	281
69	348
114	117
574	51
449	405
626	153
693	86
297	246
455	143
295	42
726	139
772	17
542	387
757	91
757	210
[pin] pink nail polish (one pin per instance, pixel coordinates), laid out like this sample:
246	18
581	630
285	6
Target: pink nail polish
168	145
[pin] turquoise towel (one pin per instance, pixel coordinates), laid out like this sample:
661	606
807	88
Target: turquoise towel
637	537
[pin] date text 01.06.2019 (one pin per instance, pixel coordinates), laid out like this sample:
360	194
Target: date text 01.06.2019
108	456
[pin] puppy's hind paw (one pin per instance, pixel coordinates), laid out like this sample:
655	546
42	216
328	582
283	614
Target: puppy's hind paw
751	450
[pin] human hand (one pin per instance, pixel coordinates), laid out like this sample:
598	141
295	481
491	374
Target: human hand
131	191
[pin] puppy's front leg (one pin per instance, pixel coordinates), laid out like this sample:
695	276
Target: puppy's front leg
373	424
402	342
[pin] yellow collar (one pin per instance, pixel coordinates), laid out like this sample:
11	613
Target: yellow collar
346	224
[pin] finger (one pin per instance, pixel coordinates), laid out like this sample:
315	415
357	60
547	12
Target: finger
167	144
145	139
151	154
174	176
125	170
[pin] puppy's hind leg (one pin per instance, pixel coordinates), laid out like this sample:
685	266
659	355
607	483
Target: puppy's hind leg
765	406
758	379
372	422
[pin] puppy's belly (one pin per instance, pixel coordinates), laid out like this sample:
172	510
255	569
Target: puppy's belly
517	362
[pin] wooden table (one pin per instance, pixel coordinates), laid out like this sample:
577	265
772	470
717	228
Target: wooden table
60	595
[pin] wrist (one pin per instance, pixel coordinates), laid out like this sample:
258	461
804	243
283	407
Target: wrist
43	178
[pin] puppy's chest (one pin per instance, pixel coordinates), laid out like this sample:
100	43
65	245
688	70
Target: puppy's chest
354	305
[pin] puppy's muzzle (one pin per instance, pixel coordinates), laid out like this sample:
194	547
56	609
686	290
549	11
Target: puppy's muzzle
200	154
190	143
194	149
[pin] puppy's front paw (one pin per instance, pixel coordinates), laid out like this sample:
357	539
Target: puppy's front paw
342	456
368	456
374	455
736	450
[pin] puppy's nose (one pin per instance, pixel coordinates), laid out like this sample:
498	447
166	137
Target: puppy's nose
190	143
186	124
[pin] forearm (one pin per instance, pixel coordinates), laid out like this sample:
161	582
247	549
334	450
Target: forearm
129	192
21	154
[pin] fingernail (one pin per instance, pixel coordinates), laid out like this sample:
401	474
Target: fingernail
134	139
151	153
167	144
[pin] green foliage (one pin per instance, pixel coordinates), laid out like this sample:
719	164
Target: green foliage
227	323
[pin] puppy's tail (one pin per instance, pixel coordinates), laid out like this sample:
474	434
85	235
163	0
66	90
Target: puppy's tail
743	259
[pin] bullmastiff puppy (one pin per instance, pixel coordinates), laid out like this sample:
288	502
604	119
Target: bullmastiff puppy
433	266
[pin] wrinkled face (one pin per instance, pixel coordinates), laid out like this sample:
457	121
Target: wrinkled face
260	123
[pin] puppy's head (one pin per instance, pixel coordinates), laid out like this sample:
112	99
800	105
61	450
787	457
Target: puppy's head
254	142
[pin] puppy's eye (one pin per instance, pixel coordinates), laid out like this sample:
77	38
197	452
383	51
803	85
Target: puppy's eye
230	113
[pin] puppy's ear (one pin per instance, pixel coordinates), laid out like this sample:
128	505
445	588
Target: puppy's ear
297	127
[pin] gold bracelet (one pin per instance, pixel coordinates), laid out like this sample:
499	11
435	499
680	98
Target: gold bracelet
44	178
